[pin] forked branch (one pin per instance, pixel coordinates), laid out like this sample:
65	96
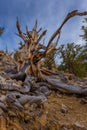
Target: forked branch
69	15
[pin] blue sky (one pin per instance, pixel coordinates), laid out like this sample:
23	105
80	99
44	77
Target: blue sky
49	13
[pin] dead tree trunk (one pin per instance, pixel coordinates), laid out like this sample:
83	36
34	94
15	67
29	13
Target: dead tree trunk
35	51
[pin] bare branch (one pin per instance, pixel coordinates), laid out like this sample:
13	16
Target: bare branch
69	15
43	33
18	27
35	26
39	30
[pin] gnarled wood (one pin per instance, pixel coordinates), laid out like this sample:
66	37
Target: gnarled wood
33	46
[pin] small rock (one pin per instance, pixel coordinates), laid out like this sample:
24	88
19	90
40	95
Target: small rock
59	95
83	101
64	109
64	128
78	126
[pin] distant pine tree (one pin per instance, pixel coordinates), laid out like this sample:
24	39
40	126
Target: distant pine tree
72	59
84	37
1	30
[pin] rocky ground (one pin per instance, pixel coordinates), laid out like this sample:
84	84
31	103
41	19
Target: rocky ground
58	112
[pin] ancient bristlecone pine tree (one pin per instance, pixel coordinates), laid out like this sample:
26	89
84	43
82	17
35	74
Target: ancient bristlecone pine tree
37	81
33	51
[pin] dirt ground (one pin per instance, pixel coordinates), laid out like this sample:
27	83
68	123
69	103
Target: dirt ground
60	112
